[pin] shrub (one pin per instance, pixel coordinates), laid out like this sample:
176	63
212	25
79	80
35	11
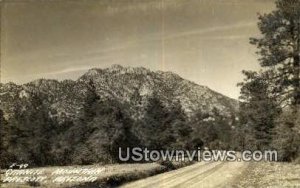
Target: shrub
286	138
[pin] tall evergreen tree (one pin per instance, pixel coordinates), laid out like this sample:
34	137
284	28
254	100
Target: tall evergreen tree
152	127
76	136
180	127
90	104
258	110
117	130
79	132
31	132
279	50
164	128
103	127
286	138
4	136
212	129
278	83
43	129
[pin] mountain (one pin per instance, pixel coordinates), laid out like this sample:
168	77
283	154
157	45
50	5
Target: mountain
129	85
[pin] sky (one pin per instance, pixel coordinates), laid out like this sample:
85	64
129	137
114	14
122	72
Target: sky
205	41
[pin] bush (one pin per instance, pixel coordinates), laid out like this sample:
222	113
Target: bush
168	164
286	138
297	161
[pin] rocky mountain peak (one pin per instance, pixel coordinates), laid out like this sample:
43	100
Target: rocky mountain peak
130	85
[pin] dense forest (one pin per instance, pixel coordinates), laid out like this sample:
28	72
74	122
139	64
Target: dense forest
33	136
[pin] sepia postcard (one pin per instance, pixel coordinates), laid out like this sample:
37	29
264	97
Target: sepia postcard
149	93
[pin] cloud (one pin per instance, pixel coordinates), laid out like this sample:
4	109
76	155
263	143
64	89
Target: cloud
68	70
211	29
228	37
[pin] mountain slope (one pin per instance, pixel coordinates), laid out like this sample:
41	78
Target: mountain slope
129	85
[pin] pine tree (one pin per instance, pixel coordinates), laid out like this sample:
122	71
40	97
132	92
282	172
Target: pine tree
279	50
180	128
78	133
4	135
40	129
223	129
164	128
277	85
123	135
19	134
153	128
258	110
110	129
103	127
31	131
90	103
76	136
286	138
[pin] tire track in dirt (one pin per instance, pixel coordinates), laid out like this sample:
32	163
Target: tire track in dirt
202	174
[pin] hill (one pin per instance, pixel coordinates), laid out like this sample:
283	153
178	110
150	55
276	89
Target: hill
130	85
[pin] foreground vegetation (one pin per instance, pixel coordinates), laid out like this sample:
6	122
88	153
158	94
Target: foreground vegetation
111	176
270	107
266	174
103	125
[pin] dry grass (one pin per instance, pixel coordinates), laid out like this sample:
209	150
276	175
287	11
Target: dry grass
267	174
261	174
113	175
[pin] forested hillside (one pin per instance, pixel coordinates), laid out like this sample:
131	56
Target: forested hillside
47	122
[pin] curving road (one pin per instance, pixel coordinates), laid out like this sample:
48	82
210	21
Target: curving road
202	174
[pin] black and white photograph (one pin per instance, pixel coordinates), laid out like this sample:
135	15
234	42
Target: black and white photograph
149	93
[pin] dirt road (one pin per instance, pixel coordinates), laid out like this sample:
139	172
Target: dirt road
202	174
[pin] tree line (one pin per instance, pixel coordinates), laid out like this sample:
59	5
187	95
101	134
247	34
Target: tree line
270	107
33	136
